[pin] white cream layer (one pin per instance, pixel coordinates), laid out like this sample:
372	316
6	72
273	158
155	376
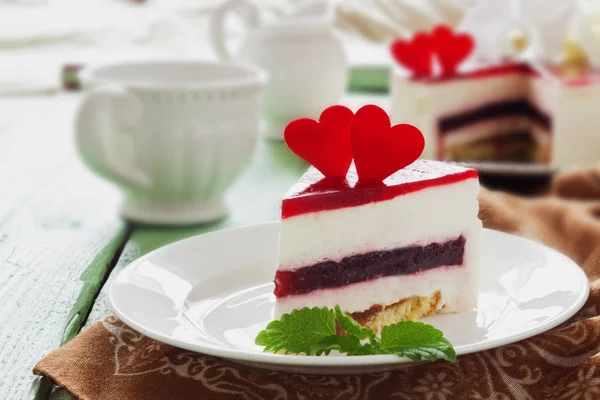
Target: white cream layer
493	128
575	125
435	214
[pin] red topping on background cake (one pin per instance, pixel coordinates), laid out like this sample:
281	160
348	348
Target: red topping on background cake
415	54
451	49
324	144
381	149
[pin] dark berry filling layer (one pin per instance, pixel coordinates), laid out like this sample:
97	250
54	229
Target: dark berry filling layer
368	266
513	108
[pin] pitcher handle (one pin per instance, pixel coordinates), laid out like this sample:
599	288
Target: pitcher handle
102	110
250	16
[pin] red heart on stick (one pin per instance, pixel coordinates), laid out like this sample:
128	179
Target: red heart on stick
325	144
381	149
451	49
415	54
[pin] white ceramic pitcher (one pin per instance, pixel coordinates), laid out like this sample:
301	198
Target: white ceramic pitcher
306	62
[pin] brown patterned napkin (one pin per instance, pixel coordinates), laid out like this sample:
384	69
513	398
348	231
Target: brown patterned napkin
111	361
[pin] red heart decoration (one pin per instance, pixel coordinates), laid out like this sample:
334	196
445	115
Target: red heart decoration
451	49
381	149
325	144
416	54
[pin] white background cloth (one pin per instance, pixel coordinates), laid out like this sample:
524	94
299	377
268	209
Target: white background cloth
38	36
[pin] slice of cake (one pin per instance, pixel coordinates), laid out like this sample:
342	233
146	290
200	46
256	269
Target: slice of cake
384	251
506	110
494	113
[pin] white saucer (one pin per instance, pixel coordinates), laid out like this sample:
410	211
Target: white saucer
173	214
213	293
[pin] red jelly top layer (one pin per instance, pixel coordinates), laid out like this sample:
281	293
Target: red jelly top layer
313	192
473	71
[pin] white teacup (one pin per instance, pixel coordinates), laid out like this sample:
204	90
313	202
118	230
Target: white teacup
173	135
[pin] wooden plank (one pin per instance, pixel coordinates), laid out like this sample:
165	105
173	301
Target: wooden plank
15	110
58	233
29	147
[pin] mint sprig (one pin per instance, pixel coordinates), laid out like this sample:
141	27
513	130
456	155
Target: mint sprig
312	331
298	331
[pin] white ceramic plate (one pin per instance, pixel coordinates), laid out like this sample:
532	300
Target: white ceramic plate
213	293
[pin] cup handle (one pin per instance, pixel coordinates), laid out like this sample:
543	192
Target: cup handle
103	110
250	15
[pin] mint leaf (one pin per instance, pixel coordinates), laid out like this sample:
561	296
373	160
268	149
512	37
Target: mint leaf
367	349
343	343
352	327
298	331
350	345
416	340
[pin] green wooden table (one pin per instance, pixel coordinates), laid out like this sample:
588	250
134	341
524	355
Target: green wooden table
62	240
